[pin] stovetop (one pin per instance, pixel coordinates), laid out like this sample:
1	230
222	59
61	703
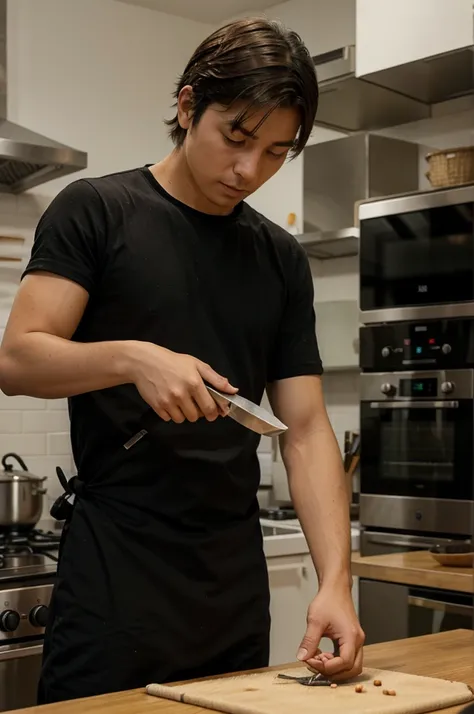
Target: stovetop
28	555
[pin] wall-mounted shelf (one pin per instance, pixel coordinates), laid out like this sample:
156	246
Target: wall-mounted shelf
328	245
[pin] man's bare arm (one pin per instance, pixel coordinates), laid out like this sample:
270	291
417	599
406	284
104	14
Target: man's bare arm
317	485
37	356
315	474
39	359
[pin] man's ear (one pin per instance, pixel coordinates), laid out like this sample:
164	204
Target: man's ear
185	107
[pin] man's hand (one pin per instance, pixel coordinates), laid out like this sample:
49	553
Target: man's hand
173	384
331	614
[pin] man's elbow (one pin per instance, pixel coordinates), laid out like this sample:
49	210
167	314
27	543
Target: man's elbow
9	380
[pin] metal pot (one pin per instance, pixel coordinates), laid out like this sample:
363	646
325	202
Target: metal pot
21	496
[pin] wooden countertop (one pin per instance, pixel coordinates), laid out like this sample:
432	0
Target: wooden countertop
447	655
418	568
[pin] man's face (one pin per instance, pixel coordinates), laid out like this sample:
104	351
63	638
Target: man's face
227	166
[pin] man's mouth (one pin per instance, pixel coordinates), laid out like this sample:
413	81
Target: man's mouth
234	189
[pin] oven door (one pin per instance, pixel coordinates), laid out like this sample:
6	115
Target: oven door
417	258
20	667
422	449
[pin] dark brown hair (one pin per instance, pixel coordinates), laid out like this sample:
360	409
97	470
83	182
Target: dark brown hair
255	60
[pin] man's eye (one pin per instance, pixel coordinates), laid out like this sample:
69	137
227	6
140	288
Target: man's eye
232	142
278	156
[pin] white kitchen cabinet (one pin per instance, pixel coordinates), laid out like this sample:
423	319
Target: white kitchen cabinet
337	328
392	32
323	25
293	585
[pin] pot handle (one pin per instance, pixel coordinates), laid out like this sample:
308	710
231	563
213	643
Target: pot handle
9	467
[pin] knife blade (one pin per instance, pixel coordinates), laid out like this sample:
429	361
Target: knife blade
250	415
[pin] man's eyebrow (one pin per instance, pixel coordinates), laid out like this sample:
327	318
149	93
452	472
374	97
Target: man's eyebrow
287	144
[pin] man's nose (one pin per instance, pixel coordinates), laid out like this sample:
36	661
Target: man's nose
247	166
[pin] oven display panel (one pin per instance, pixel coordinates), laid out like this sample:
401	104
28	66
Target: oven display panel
423	387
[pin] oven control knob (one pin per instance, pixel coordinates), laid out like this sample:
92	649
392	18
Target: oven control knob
387	388
9	620
386	351
447	387
39	616
446	349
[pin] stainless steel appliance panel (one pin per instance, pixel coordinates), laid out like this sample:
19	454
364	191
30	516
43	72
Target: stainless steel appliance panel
416	256
417	201
432	345
430	515
25	603
20	667
444	386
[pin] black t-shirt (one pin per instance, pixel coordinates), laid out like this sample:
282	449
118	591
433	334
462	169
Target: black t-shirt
235	291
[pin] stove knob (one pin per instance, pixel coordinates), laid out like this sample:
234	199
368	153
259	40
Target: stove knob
446	349
386	351
387	388
39	616
9	620
447	387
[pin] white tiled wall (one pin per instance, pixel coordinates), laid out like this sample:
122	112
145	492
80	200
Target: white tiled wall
35	429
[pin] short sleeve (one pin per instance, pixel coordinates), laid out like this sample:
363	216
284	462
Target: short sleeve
70	238
296	351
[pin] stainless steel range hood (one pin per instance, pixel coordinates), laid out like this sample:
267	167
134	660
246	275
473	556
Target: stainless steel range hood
28	159
337	175
394	96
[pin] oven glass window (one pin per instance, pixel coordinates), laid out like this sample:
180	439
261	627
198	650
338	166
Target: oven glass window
418	258
417	446
414	451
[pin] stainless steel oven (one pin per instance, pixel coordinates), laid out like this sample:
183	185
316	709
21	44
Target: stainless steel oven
20	667
413	610
23	615
417	256
416	466
28	563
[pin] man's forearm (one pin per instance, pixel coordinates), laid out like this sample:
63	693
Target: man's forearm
49	367
318	491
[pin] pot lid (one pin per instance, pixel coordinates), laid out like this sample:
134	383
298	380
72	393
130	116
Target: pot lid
10	474
13	475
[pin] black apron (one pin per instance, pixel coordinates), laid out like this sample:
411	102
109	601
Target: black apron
147	592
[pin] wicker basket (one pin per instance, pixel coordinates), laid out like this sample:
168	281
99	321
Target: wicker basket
451	167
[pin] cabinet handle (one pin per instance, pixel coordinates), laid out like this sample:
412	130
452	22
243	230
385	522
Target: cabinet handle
22	651
287	568
441	606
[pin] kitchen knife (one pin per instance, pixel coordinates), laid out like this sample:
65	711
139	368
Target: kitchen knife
242	410
248	414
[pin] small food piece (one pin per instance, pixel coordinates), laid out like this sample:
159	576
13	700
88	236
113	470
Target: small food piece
377	683
333	685
359	688
390	692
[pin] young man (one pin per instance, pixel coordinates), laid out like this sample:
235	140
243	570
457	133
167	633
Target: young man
142	287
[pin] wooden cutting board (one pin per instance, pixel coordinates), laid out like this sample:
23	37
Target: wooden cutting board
263	693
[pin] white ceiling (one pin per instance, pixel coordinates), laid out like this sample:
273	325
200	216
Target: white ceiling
210	11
